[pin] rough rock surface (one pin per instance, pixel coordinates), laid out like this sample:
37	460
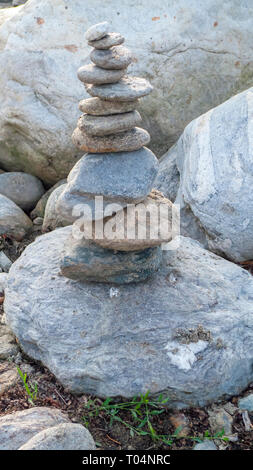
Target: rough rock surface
111	39
3	281
13	221
98	107
214	158
126	89
8	376
187	332
126	177
8	345
127	141
17	428
61	437
100	125
92	74
177	46
52	219
83	260
40	207
23	189
246	403
118	57
168	176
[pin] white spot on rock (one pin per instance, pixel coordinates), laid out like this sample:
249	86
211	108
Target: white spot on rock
184	355
114	292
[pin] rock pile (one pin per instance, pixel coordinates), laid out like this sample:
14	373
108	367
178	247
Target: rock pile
118	168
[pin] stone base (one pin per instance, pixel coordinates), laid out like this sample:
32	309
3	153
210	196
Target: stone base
187	332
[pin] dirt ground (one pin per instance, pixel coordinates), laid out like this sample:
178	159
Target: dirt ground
115	436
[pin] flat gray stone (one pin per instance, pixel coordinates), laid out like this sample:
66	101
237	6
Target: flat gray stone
206	445
13	221
128	141
65	436
118	57
127	89
97	31
126	177
186	332
17	428
92	74
23	189
83	260
111	39
106	125
246	403
98	107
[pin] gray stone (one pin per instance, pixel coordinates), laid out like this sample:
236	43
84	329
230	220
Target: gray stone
168	177
86	261
187	332
92	74
107	125
16	3
128	141
111	39
205	445
5	262
17	428
126	177
220	420
97	107
246	403
23	189
38	221
61	437
118	57
97	31
8	377
126	89
3	281
38	109
52	218
40	207
8	345
13	221
214	157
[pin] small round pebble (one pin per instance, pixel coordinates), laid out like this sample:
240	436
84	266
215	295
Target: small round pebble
106	125
118	57
97	31
96	75
126	89
98	107
111	39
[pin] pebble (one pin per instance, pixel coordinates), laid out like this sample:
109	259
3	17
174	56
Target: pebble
40	207
179	420
97	31
83	260
246	403
8	377
127	89
111	39
118	57
38	221
100	125
5	262
206	445
124	142
220	420
22	188
96	75
13	221
98	107
3	282
8	345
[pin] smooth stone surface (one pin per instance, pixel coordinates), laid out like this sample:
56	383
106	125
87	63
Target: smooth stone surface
98	107
3	282
246	403
97	31
126	177
128	141
206	445
118	57
127	89
178	56
92	74
135	226
40	207
67	436
83	261
17	428
214	158
52	220
168	176
107	125
5	262
22	188
13	221
187	332
111	39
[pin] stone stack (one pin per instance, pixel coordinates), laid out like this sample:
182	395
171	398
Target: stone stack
117	167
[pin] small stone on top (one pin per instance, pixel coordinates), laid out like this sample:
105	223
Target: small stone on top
97	31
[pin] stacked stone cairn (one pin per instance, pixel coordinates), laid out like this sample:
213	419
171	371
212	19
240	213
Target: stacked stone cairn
108	184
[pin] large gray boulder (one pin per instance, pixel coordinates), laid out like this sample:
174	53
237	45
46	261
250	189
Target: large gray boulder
13	221
194	57
186	332
23	189
214	157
